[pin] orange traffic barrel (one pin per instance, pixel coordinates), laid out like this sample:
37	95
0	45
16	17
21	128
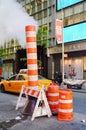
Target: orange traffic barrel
65	111
53	97
31	50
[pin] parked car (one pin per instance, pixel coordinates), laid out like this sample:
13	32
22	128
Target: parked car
15	82
74	83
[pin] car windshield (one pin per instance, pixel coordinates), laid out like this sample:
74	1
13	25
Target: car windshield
20	77
12	77
24	71
41	77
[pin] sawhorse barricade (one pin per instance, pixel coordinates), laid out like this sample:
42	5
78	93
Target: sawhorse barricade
42	107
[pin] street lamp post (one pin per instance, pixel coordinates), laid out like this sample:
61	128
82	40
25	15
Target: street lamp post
62	51
62	13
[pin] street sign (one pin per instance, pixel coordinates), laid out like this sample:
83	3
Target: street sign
59	31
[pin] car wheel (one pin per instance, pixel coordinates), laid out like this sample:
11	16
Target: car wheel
2	88
79	87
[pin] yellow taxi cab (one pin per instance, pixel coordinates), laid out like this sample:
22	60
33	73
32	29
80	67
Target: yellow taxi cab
15	82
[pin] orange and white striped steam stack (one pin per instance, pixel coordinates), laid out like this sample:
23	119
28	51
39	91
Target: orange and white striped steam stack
31	50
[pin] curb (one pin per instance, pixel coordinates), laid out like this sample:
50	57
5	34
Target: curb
79	91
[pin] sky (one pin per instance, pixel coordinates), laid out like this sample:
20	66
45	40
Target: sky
13	19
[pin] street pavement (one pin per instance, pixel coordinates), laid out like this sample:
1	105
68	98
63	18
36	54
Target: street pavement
40	123
52	123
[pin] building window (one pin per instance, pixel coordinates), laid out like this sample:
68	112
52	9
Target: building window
49	42
45	4
39	15
39	7
50	2
33	9
50	11
45	13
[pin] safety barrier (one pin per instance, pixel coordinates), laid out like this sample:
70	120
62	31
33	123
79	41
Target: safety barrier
53	97
65	111
38	99
31	50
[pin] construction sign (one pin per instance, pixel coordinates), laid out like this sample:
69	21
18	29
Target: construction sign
36	104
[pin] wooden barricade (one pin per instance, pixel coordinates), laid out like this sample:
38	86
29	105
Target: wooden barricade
41	107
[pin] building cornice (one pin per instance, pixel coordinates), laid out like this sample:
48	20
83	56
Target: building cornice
67	48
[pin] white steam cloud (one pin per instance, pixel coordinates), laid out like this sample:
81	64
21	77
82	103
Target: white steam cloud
13	19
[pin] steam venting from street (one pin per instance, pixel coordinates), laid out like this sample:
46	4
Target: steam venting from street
13	19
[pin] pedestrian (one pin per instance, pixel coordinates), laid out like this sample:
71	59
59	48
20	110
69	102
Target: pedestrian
58	77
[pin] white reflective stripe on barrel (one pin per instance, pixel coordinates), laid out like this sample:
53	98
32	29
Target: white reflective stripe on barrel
53	94
30	34
33	78
32	56
65	101
65	110
32	66
31	45
53	102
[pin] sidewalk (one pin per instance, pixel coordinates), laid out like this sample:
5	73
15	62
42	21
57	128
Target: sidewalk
52	123
8	120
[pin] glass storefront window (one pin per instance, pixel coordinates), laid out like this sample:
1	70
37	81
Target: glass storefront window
65	3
